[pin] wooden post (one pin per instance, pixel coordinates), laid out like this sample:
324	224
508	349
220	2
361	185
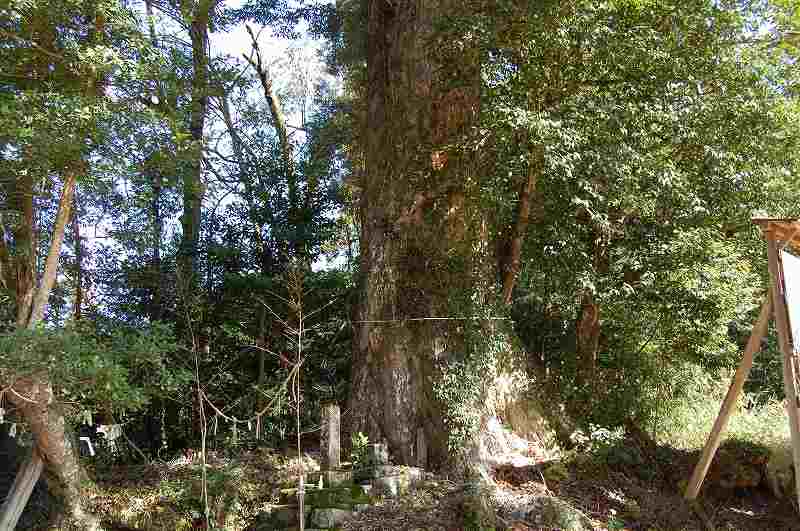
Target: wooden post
20	492
331	444
712	444
785	340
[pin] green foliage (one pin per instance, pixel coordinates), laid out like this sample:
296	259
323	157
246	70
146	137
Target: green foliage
689	421
358	449
654	155
113	372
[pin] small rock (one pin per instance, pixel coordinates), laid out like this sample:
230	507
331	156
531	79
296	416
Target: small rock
329	517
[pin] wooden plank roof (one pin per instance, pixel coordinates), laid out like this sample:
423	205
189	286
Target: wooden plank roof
784	229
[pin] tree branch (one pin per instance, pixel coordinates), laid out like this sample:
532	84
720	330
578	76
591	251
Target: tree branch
35	46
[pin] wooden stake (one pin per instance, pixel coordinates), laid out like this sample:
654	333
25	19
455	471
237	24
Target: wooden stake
20	492
785	340
712	444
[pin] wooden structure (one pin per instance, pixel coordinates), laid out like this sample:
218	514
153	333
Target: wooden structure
779	233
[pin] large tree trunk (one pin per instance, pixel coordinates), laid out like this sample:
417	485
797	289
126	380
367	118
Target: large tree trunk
513	260
425	261
156	304
51	263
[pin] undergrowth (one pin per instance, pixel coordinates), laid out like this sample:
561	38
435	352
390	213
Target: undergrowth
689	422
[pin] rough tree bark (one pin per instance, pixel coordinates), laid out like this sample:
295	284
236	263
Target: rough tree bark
424	234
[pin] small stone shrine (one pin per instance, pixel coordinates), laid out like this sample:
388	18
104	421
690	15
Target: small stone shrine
337	492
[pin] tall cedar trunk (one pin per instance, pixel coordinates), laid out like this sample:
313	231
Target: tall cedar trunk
196	15
193	188
422	239
156	312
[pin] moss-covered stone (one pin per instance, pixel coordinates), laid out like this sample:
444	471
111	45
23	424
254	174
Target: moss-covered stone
561	515
341	496
279	517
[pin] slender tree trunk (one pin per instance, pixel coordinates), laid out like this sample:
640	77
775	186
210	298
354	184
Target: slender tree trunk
156	305
589	329
513	260
193	187
588	342
156	308
6	278
25	247
76	236
287	150
51	264
239	148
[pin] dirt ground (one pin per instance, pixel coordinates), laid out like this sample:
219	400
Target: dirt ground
634	485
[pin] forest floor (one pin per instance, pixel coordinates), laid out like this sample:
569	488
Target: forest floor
628	485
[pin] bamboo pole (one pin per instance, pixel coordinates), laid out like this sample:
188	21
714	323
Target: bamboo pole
714	438
785	340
